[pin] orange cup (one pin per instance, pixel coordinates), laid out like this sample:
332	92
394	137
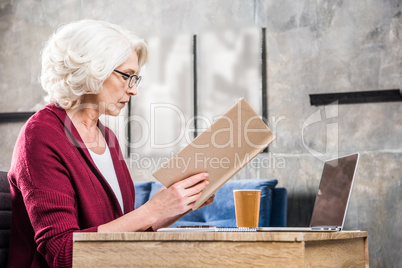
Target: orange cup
247	207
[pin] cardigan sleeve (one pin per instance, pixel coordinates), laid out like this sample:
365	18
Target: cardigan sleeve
46	187
52	217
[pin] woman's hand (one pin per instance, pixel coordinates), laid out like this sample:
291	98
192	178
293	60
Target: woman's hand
179	198
164	208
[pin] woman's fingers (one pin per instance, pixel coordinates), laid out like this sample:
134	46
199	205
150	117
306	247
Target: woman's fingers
191	186
198	188
206	203
193	180
181	196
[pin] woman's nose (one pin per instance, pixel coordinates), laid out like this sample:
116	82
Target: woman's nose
132	90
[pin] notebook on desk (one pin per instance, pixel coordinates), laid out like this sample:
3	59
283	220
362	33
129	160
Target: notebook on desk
332	198
205	229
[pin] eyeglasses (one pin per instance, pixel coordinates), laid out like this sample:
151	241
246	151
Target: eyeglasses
132	79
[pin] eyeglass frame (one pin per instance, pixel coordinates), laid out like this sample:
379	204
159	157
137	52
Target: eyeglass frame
130	78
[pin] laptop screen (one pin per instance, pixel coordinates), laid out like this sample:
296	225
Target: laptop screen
334	191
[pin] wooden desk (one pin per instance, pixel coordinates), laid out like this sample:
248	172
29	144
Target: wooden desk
267	249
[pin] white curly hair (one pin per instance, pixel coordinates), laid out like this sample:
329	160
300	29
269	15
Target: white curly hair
81	55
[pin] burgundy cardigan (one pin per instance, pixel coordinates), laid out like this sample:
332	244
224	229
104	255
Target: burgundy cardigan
57	190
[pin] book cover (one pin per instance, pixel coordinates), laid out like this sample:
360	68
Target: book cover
222	150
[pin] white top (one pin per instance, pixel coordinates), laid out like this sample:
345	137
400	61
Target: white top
104	163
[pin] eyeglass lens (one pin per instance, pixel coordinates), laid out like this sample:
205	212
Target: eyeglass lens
134	80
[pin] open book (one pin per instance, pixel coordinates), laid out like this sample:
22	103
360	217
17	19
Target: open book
221	151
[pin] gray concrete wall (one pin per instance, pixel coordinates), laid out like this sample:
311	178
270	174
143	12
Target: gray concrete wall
313	47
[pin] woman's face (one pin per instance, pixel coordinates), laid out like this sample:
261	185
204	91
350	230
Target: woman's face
116	93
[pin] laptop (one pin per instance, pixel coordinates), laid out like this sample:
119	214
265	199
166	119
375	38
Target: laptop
332	199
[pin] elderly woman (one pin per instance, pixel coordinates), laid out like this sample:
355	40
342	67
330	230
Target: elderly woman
68	173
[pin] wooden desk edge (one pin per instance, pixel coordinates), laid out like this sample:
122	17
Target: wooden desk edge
219	236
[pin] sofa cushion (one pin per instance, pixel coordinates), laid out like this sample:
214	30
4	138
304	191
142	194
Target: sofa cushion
221	212
142	191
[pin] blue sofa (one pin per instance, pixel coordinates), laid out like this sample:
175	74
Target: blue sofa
222	213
